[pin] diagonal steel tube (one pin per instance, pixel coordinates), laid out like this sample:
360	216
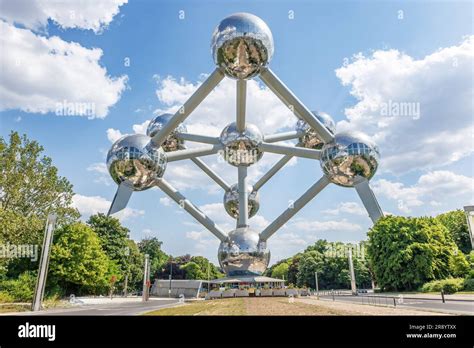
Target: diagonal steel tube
121	198
198	138
198	96
290	150
191	209
286	96
190	153
294	208
273	138
212	174
272	171
368	199
241	104
243	198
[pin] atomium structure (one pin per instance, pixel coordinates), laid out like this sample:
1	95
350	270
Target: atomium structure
242	47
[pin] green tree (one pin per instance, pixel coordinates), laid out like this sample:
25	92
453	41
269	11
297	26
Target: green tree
192	271
135	262
158	258
78	264
407	252
281	271
455	222
113	238
30	185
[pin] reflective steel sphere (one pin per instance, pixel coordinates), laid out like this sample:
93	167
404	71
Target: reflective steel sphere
243	253
132	158
311	139
242	44
172	142
348	159
231	201
241	148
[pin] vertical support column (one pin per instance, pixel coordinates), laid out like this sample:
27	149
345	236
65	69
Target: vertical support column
317	284
243	198
146	278
351	269
44	263
241	104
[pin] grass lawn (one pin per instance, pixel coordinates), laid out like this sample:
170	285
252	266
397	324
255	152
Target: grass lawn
247	306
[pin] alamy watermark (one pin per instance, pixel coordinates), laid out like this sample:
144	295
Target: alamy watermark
16	251
400	109
67	108
342	250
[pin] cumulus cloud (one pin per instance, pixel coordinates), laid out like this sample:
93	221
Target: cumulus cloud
431	188
80	14
89	205
325	226
419	111
41	75
348	208
113	135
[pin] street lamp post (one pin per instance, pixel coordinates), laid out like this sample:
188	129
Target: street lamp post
171	275
317	284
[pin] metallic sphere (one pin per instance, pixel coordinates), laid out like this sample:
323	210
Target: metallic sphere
132	158
242	44
310	138
241	148
348	159
231	201
243	253
172	142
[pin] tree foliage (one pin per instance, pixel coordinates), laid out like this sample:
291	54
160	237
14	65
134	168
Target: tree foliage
408	252
456	223
152	247
78	264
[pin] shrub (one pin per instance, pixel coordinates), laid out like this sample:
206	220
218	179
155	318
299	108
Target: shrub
449	286
469	284
20	289
5	297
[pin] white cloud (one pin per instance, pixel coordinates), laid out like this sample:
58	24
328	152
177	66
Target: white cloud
100	168
166	201
264	109
41	75
81	14
431	188
440	84
325	226
194	235
89	205
113	135
347	207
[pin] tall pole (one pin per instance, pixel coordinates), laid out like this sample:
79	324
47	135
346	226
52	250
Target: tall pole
145	279
317	284
44	263
125	287
208	276
351	269
171	276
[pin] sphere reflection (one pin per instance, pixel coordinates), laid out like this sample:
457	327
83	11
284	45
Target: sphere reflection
241	148
172	142
132	158
310	138
348	159
243	253
242	44
231	201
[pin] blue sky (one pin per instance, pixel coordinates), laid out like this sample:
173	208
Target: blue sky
346	58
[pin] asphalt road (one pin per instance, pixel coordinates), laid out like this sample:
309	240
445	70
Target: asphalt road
133	308
454	307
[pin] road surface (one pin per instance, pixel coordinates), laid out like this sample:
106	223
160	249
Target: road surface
118	308
450	306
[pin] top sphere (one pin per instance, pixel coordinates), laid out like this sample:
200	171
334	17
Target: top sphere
310	138
132	158
172	142
350	158
242	44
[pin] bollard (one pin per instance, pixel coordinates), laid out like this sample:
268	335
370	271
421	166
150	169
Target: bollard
442	295
333	295
394	302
